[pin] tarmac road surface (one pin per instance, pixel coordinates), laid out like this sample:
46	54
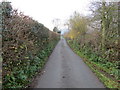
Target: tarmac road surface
65	69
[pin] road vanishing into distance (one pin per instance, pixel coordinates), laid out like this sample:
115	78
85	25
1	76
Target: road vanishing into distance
65	69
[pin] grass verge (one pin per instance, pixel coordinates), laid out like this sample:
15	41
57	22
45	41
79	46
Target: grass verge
103	77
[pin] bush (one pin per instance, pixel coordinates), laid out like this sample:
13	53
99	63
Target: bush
26	45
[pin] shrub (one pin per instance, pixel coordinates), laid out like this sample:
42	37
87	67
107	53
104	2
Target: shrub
26	45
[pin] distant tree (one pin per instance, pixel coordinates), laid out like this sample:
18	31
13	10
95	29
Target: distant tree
59	32
55	29
77	25
56	22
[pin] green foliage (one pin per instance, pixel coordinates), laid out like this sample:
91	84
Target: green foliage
99	65
108	82
26	46
100	43
6	9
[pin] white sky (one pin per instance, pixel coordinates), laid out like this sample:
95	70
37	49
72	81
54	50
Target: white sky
44	11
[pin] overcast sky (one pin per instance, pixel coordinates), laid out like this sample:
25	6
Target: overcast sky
44	11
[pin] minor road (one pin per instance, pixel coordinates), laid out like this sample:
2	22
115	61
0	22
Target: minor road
65	69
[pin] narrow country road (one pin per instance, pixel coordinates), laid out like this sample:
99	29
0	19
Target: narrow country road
65	69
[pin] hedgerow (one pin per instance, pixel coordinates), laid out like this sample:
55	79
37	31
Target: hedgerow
26	45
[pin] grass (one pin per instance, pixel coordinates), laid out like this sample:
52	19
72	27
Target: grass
99	69
108	82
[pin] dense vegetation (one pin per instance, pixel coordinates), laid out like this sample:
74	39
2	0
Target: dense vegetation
26	45
96	39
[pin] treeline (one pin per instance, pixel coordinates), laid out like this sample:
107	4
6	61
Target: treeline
26	45
96	38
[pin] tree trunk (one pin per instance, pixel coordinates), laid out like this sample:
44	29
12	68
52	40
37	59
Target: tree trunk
103	25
